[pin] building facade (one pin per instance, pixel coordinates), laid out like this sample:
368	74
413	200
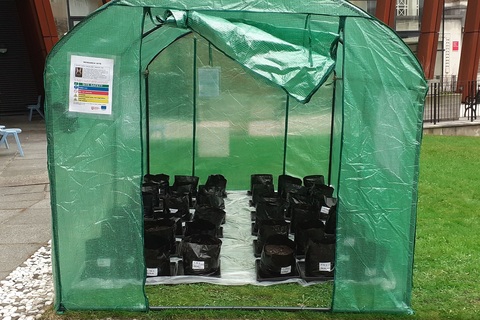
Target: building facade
445	35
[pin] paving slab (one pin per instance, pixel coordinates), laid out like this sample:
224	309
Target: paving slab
17	205
24	189
25	216
30	216
33	234
32	196
7	214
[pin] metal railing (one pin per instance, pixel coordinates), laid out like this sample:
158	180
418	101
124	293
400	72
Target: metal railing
451	100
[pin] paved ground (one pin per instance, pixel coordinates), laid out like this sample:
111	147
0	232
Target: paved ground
25	219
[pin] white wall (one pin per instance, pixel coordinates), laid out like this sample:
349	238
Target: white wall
453	32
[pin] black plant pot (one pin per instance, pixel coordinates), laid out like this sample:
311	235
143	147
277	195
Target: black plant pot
319	190
161	180
278	257
201	255
210	196
320	257
168	215
296	196
218	183
260	178
148	199
312	180
186	184
287	183
214	215
302	212
161	209
306	230
331	224
201	227
268	209
179	204
157	257
160	231
262	191
269	228
323	204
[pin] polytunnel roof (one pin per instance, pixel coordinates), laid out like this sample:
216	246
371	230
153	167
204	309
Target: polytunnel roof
325	7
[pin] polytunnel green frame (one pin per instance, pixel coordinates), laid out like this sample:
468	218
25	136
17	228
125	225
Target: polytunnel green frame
95	160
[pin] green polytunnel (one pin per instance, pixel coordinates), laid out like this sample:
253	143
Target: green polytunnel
233	88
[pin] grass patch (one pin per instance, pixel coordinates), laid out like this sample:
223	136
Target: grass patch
446	269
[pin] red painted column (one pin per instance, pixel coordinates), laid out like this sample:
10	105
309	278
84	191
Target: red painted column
40	34
47	23
385	12
428	40
470	56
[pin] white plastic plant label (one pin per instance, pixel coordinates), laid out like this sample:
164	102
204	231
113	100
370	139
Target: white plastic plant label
152	272
324	210
198	265
286	270
104	262
325	266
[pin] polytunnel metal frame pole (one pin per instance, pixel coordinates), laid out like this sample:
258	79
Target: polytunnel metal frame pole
285	138
194	138
147	120
332	128
240	308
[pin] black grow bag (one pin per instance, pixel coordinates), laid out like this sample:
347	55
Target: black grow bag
201	227
157	257
331	224
218	183
201	255
297	196
210	196
149	198
160	231
320	257
262	191
260	178
179	204
301	212
278	257
214	215
161	180
287	183
186	184
310	181
269	228
319	190
269	208
306	230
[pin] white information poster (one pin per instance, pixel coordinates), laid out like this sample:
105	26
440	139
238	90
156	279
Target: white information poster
91	85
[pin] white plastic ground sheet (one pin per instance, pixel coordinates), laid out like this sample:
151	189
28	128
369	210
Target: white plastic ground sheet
237	258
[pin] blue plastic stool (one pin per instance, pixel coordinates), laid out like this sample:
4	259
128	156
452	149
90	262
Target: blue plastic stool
35	107
11	131
6	143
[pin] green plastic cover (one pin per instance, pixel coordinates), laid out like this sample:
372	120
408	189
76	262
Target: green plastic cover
236	88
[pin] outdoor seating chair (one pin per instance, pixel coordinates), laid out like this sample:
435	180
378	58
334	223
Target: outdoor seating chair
471	105
5	132
6	142
35	107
